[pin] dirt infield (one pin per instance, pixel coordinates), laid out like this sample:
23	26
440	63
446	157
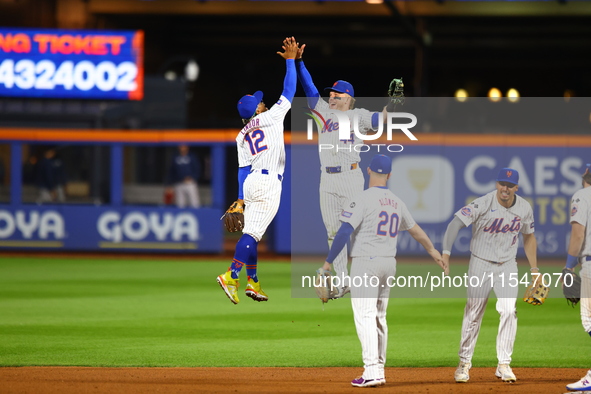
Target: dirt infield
48	380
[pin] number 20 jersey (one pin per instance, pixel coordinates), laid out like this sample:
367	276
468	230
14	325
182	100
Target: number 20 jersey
377	215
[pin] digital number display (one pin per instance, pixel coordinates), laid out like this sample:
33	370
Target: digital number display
71	64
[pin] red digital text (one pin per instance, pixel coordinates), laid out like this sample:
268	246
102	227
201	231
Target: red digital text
64	44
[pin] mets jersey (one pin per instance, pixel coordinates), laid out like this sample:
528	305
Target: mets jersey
377	215
264	137
342	152
244	154
580	212
495	229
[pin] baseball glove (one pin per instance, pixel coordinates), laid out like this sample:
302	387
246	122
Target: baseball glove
536	293
396	93
234	217
571	287
324	286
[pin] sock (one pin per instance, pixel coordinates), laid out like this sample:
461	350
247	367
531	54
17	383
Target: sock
245	246
251	266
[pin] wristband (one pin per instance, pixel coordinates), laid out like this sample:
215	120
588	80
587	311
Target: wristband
299	60
447	252
534	268
571	261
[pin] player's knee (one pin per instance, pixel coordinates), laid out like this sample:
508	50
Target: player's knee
247	236
510	313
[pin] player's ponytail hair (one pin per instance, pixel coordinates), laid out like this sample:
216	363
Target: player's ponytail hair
352	103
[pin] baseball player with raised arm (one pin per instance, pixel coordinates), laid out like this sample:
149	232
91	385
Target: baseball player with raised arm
579	251
497	219
261	183
376	215
341	178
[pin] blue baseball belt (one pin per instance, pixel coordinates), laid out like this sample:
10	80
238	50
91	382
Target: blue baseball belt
339	169
266	172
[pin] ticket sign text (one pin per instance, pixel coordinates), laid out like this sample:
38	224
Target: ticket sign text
71	64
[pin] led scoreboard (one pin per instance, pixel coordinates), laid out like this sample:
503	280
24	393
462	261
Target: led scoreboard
57	63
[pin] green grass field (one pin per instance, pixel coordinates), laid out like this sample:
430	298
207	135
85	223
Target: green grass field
134	312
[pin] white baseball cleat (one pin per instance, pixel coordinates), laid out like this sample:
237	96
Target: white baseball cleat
505	373
582	385
462	374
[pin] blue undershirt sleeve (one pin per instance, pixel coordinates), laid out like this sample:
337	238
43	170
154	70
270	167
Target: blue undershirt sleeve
339	242
375	120
307	83
242	174
290	81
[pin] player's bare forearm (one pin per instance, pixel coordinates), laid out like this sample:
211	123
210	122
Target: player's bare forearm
530	247
421	237
577	236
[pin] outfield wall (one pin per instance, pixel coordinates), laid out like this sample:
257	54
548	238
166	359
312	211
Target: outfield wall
439	174
455	169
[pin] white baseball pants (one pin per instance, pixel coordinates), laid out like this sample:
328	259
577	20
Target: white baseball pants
369	300
476	305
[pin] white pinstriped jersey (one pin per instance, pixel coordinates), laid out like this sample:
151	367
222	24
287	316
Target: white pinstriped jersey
580	212
345	155
244	155
495	229
378	215
263	136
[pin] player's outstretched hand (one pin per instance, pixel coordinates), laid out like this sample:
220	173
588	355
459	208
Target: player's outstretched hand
300	52
290	48
445	258
435	255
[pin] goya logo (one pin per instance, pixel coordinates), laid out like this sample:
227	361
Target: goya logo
138	226
32	225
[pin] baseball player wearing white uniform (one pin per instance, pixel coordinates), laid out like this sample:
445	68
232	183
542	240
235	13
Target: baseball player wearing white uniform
497	219
262	137
376	215
341	178
579	251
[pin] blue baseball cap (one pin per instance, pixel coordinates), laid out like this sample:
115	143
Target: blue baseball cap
342	87
508	175
248	104
381	164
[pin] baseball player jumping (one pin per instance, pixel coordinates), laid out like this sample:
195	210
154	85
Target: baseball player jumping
341	178
261	182
376	215
497	219
579	251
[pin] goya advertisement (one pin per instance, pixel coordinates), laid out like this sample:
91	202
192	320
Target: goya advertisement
62	227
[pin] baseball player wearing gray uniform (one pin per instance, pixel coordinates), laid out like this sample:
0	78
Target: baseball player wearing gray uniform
579	251
341	178
497	219
376	215
263	135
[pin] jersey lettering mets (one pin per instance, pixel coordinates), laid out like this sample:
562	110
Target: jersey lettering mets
342	152
495	229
